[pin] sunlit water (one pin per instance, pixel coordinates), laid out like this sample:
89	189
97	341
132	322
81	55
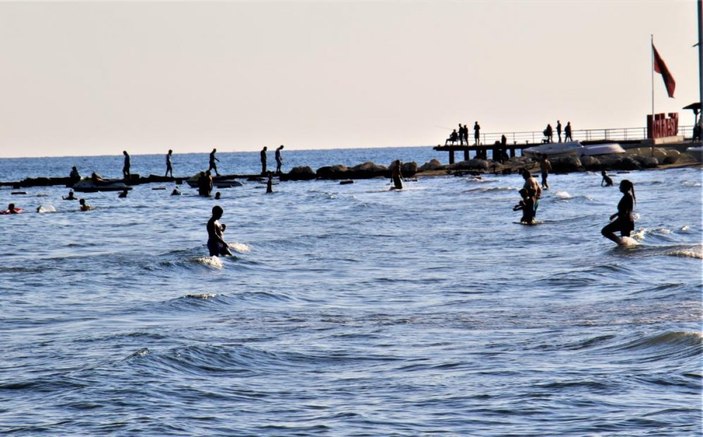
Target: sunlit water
349	309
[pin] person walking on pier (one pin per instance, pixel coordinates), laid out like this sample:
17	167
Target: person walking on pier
477	133
559	130
213	161
263	160
279	159
567	132
125	168
462	135
169	166
549	134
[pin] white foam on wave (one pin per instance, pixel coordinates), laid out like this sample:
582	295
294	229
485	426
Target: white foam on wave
628	242
46	208
563	195
240	247
687	252
210	261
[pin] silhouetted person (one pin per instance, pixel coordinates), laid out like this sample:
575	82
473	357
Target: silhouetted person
213	161
453	137
74	176
125	168
532	185
123	194
527	205
606	181
169	165
12	210
215	241
263	160
269	183
477	133
397	175
218	196
97	179
205	183
461	135
622	220
567	132
559	130
84	206
279	159
70	196
545	167
549	133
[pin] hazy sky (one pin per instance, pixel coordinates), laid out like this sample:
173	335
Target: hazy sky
94	78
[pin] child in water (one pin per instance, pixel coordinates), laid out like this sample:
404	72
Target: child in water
527	205
84	206
622	220
606	181
215	243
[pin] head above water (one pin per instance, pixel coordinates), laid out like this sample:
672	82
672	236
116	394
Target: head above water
526	174
217	211
627	186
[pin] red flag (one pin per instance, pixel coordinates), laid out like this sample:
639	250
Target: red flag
660	67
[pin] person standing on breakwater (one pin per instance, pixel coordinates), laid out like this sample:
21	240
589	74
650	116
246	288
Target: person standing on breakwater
622	220
169	166
213	160
606	181
567	132
461	135
545	167
125	168
215	242
559	130
477	133
263	160
397	175
531	184
279	159
74	176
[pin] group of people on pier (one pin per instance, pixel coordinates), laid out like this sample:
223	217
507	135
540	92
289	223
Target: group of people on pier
462	135
549	132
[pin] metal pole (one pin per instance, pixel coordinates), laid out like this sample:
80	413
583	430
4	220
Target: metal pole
651	69
700	61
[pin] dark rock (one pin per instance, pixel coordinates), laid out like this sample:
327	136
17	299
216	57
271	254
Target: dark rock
367	170
409	169
472	164
332	172
625	163
304	173
431	165
566	164
591	163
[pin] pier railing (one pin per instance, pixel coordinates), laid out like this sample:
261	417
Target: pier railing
610	134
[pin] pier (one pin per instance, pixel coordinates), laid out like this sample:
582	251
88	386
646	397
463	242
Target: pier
518	141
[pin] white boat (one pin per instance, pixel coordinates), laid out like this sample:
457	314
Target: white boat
696	152
554	150
602	149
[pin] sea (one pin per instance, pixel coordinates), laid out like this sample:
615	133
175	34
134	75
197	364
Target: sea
349	310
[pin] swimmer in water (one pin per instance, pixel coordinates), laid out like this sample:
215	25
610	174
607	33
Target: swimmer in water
70	196
622	220
84	206
215	242
606	181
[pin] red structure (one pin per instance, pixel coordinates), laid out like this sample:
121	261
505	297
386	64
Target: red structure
662	126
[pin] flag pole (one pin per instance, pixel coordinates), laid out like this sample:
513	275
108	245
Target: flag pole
651	129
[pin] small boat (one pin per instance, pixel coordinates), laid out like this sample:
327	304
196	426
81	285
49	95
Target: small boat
696	152
555	150
87	185
602	149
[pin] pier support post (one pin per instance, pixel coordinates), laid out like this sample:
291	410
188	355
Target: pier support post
466	154
451	156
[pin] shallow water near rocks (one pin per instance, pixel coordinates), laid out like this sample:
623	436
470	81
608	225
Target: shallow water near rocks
350	309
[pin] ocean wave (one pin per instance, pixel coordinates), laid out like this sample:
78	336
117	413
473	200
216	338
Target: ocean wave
665	346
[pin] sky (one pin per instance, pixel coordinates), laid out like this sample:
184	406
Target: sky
96	78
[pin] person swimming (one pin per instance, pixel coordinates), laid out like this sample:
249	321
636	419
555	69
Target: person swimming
215	242
622	221
84	206
606	181
70	196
